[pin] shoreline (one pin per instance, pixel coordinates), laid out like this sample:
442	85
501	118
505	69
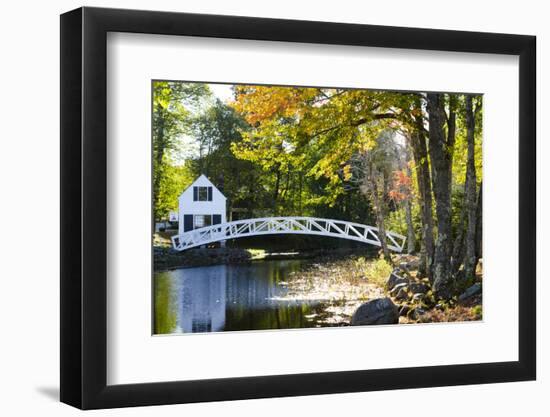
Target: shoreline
166	259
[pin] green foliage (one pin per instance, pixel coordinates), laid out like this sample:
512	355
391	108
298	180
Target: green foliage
477	310
460	148
171	119
375	271
217	129
396	222
174	180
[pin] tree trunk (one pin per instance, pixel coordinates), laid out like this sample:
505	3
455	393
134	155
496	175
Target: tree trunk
159	149
277	184
420	154
380	215
458	245
441	163
470	261
479	224
301	177
411	239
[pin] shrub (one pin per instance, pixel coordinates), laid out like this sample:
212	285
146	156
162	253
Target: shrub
375	271
478	312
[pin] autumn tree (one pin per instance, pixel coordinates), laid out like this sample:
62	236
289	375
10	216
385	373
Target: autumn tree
402	193
309	128
373	169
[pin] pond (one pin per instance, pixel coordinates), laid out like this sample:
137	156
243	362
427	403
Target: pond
232	297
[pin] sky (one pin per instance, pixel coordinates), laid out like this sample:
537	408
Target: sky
222	91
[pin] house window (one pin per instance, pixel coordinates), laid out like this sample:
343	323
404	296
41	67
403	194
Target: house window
202	193
202	220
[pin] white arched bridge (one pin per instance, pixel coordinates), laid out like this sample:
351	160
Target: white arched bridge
286	225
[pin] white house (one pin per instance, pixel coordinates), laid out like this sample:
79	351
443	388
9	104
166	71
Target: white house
200	205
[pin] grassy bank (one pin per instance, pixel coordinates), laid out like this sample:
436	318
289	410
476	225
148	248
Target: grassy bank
343	284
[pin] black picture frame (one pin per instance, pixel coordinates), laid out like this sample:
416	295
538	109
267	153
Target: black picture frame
84	207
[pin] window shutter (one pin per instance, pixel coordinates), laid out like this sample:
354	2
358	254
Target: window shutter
195	193
209	193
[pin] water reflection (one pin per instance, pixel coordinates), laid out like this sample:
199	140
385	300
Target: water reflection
202	301
228	297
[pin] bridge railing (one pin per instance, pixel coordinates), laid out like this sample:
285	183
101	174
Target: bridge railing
286	225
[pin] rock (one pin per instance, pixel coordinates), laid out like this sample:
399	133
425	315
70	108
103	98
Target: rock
418	297
470	292
405	266
398	287
404	309
402	294
377	311
418	287
414	263
415	313
400	291
395	279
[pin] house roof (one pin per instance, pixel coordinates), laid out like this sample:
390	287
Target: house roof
203	181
